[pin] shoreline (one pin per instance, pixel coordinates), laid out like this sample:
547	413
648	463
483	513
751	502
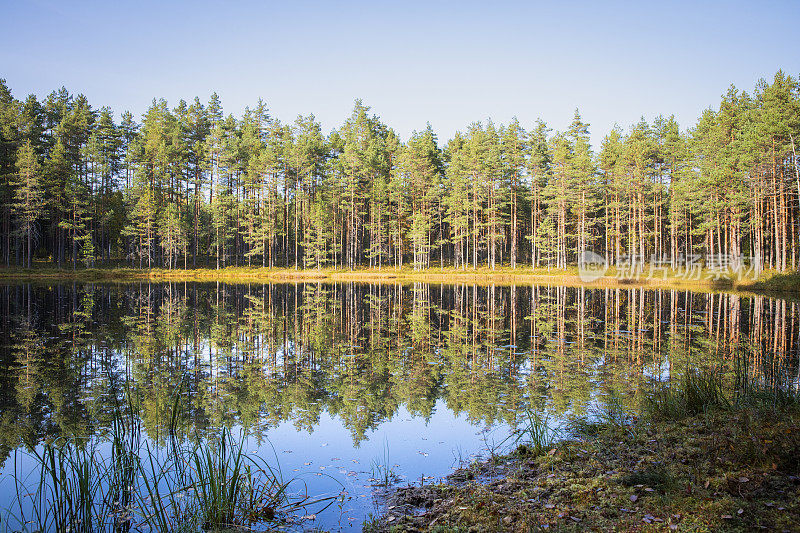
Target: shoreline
767	282
717	471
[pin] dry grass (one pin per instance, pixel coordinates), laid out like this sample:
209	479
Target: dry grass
768	282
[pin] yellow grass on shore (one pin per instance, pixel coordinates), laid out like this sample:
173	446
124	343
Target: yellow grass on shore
702	280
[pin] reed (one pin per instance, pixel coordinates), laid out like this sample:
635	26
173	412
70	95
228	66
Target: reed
534	435
118	482
382	473
696	392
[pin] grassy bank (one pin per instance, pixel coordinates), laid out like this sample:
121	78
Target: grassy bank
702	280
695	460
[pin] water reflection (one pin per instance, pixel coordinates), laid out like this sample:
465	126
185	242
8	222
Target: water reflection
257	356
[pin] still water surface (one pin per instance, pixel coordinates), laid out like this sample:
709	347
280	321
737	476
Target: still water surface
330	380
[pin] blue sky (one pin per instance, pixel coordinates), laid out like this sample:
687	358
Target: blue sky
447	63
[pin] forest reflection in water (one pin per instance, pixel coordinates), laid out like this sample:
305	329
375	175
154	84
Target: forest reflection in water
255	356
417	369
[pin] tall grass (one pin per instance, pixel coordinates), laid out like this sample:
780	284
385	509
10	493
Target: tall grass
609	412
120	483
696	392
533	434
700	391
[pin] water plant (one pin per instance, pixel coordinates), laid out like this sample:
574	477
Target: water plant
696	392
120	481
533	435
381	473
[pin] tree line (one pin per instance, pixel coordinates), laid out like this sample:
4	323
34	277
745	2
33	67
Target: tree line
189	186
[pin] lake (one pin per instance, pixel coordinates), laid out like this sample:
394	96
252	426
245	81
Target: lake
338	383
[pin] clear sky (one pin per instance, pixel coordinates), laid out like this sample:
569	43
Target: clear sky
447	63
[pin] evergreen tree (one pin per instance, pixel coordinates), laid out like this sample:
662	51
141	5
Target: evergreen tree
28	197
190	181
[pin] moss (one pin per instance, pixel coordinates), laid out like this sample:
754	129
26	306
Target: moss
691	474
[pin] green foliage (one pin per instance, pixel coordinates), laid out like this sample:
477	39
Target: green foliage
534	435
695	393
191	182
209	486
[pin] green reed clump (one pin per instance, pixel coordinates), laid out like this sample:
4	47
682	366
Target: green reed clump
75	487
759	395
69	491
699	391
232	488
533	435
695	393
209	485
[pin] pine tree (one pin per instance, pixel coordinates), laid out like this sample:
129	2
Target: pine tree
421	162
583	185
546	241
539	175
9	109
28	197
514	158
171	234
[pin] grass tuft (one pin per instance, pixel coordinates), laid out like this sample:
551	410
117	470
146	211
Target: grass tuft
533	436
695	393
